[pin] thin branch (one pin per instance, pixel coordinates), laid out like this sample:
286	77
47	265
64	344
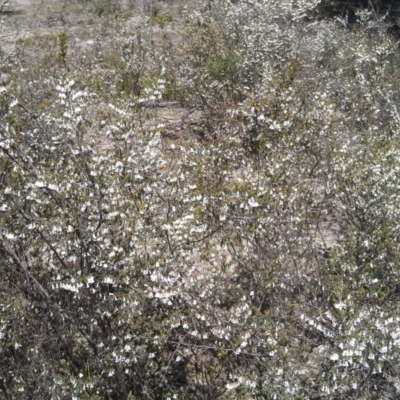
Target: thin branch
22	264
198	240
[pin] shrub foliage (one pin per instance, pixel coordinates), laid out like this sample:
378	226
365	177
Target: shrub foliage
253	255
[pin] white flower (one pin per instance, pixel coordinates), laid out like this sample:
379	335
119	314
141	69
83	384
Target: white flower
348	353
56	229
90	279
275	127
384	349
340	306
232	385
10	236
69	287
334	357
253	203
127	348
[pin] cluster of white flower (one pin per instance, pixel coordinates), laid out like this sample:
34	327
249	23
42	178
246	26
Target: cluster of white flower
258	257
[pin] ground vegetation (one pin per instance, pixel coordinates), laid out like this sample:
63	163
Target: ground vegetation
199	201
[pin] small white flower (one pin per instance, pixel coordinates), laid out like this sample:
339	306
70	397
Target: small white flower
69	287
56	229
348	353
232	385
90	280
275	127
334	356
340	306
253	203
384	349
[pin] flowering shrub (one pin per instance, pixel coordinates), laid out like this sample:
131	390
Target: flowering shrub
257	258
